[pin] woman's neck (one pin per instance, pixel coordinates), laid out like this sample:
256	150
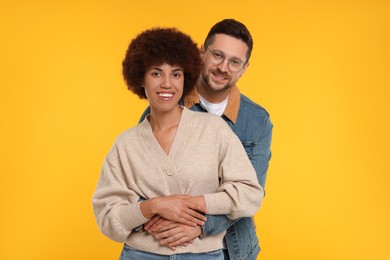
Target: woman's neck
165	120
164	126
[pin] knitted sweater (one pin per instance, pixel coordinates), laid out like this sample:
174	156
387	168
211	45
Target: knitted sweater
205	158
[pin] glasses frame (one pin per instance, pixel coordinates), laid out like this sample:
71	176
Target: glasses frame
223	58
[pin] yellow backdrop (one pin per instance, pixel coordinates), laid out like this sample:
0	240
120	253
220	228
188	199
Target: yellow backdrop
321	68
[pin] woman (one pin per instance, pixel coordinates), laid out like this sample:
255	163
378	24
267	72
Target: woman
176	164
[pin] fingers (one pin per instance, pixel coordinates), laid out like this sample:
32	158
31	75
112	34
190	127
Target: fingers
150	223
179	208
189	217
190	221
194	217
194	206
161	222
187	237
173	248
180	243
179	235
166	225
175	240
187	243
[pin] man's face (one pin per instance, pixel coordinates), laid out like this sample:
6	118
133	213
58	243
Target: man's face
219	72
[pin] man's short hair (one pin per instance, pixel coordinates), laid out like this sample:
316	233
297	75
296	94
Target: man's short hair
234	29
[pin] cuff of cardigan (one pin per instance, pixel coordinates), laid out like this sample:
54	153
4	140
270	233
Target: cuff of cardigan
218	203
131	216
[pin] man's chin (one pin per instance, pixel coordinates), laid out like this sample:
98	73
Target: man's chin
219	87
216	86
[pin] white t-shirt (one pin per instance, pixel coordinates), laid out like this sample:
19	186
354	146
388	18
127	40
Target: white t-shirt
215	109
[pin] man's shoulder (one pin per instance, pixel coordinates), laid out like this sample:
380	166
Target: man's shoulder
249	106
205	117
205	122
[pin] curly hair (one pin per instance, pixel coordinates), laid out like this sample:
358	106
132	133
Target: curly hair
157	46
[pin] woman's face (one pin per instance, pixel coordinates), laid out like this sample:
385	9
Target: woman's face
163	86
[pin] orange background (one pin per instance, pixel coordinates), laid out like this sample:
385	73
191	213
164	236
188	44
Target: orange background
321	68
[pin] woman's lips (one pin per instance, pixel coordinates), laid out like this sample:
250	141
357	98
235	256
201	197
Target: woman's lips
165	95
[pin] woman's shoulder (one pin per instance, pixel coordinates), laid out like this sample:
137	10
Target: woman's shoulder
127	135
122	141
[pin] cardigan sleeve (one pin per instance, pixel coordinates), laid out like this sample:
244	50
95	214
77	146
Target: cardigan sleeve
239	193
116	206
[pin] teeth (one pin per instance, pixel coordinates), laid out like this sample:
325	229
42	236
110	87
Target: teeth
166	95
219	76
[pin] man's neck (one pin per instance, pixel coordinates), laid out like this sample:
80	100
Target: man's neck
210	95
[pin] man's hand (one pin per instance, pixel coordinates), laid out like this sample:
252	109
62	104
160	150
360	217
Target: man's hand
172	234
157	223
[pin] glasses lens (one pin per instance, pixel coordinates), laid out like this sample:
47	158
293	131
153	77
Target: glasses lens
235	65
218	57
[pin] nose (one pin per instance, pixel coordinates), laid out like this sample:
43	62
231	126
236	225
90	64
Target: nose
166	82
224	65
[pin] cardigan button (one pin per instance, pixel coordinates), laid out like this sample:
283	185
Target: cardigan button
169	171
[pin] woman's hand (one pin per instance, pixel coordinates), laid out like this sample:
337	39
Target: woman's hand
177	208
157	223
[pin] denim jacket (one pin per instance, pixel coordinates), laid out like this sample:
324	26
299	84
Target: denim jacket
251	123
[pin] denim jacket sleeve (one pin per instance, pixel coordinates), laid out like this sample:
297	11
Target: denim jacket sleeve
259	154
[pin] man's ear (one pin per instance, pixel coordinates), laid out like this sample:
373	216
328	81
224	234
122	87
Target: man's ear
202	49
202	52
244	68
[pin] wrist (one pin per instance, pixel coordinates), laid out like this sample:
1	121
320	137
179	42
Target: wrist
148	208
200	202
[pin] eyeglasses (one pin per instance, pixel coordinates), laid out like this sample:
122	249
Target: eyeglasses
217	57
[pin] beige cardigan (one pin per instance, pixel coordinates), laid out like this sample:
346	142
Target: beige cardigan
206	157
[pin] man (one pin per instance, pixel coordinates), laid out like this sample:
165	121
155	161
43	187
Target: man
225	53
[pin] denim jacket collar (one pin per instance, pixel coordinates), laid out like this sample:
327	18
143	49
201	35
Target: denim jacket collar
233	105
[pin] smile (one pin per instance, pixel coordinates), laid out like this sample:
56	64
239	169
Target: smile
219	76
165	95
